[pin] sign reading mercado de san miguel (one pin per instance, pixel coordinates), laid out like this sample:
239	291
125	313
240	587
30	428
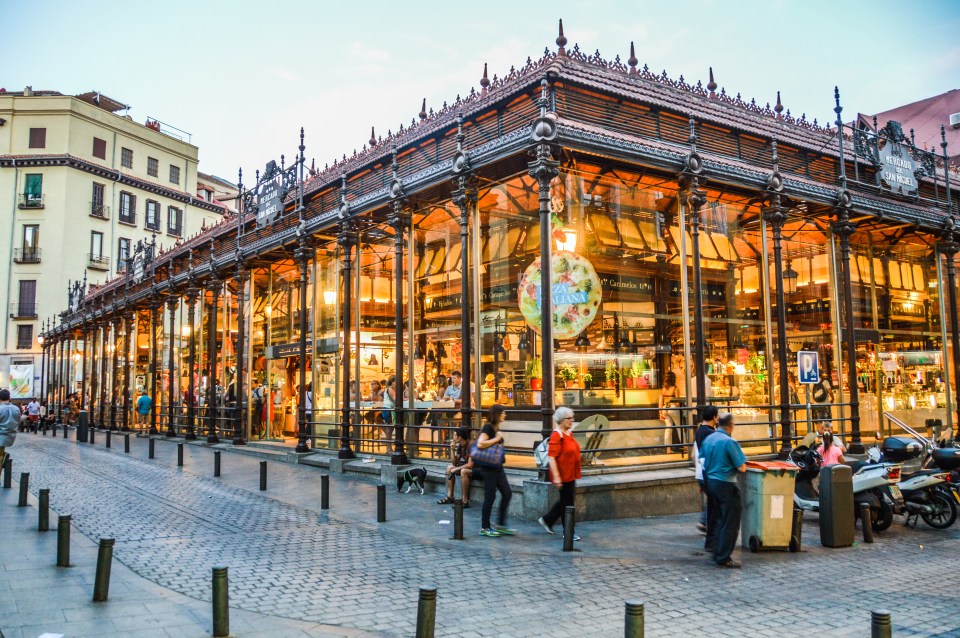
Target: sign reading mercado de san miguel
898	168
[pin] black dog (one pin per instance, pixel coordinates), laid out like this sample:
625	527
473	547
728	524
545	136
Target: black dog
415	476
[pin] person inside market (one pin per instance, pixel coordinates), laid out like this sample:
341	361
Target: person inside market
723	461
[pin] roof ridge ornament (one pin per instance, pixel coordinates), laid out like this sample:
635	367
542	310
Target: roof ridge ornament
484	81
423	110
561	42
632	61
712	85
778	109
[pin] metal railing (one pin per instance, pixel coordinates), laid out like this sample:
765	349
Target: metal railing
99	210
26	255
31	200
98	262
23	310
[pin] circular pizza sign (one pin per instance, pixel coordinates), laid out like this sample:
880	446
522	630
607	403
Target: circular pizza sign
575	294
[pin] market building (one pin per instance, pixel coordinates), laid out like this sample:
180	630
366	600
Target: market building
81	183
604	237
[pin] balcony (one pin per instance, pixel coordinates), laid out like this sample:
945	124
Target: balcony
26	255
99	210
23	310
98	262
128	218
30	200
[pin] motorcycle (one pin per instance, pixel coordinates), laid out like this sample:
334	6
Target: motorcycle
921	493
870	481
946	459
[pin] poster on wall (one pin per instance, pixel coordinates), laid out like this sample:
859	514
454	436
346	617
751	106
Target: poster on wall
575	289
21	381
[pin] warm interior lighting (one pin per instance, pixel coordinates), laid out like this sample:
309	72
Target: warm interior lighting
329	297
790	277
570	243
185	331
268	310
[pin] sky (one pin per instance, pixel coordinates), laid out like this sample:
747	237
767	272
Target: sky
242	77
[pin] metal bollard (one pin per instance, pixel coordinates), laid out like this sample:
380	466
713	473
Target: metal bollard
126	444
633	619
108	439
150	448
880	626
381	503
43	428
426	612
63	541
263	476
458	521
324	491
179	454
90	435
569	522
216	463
221	603
24	486
64	429
7	472
865	522
101	584
43	513
53	429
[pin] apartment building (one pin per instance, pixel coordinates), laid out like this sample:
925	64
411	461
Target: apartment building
80	184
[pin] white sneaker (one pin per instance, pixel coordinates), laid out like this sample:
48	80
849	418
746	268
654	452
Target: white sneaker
544	525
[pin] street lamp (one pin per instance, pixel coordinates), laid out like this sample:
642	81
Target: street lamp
790	277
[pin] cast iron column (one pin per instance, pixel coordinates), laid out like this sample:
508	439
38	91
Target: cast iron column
127	354
155	307
117	322
94	376
173	384
55	394
192	294
214	283
544	168
346	240
399	222
104	364
465	197
302	255
239	428
776	215
43	367
83	369
844	228
949	248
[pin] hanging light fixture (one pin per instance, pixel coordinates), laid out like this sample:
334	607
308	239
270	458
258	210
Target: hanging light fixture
498	343
790	277
523	344
431	358
582	341
441	350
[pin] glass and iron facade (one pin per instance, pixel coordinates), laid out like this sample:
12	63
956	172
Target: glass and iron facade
691	245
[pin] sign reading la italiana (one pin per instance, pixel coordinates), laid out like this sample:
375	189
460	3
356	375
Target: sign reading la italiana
898	168
575	292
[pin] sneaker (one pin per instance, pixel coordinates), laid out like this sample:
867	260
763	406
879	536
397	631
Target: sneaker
466	504
576	538
504	531
490	533
729	564
702	528
544	525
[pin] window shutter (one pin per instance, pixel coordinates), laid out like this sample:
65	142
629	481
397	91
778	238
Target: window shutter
38	138
99	148
28	293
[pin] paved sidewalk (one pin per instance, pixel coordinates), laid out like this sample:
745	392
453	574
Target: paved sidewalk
289	560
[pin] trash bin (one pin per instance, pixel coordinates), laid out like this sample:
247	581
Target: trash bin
767	521
836	506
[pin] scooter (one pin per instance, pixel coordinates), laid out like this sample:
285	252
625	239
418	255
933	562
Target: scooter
870	481
923	494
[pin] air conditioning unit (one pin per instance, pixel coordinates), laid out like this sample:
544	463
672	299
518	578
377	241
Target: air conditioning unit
955	120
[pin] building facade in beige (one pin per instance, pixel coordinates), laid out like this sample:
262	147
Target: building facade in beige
80	186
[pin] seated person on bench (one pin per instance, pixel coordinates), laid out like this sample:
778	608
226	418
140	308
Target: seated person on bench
461	464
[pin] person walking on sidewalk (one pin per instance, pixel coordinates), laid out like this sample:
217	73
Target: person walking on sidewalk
9	422
563	458
144	405
488	456
707	427
723	461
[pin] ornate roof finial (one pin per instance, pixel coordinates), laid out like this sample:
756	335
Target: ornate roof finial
712	86
373	138
778	109
423	110
484	81
632	60
561	42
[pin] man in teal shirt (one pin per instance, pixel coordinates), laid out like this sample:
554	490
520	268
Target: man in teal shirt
144	406
723	460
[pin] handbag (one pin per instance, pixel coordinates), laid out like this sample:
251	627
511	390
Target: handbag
492	456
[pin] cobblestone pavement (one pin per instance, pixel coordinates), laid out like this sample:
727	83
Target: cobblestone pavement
290	560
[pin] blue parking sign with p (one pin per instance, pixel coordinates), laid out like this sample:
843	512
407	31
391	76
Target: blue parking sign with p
808	362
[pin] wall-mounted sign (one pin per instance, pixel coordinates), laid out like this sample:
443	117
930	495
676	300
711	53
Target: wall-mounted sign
575	290
287	350
898	168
